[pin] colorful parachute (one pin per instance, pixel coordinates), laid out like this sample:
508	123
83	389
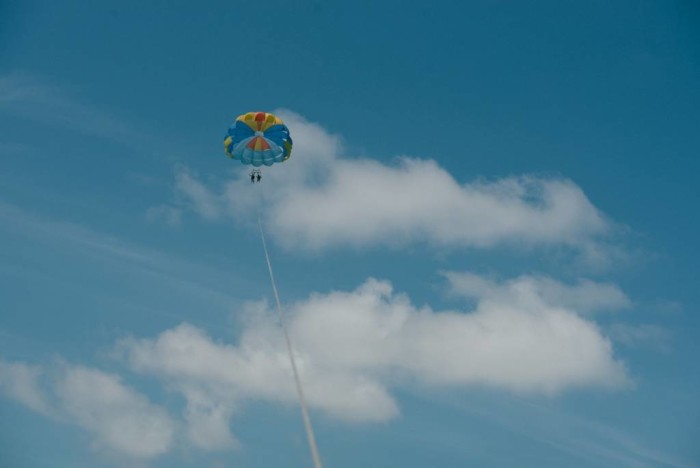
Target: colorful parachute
258	138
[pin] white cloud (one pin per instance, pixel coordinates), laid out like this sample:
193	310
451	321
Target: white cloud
354	347
585	296
199	368
321	199
121	420
520	343
208	419
20	381
199	197
365	202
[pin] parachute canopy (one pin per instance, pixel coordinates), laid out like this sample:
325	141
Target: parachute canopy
258	138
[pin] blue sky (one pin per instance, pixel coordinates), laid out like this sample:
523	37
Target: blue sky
483	239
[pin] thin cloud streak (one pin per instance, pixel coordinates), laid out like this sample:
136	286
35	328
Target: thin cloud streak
87	242
575	435
26	96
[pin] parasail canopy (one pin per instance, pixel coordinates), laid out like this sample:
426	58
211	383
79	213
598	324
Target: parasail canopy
258	138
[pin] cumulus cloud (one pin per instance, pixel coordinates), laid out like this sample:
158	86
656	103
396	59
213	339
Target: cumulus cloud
520	343
120	420
322	199
215	377
585	296
20	381
529	334
354	347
